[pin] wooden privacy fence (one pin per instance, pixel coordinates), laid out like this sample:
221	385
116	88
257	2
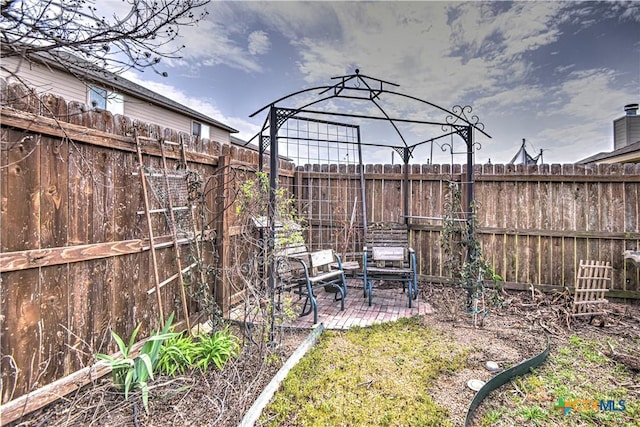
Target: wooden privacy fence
537	222
75	251
74	241
534	222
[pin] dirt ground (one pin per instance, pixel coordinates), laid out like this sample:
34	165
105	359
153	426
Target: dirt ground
509	334
217	398
516	331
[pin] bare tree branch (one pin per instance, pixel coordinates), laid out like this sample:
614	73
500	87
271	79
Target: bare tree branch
139	35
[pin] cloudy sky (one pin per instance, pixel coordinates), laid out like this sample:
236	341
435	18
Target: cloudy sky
554	73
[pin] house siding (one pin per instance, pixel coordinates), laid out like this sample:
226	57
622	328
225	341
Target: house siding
44	79
220	135
619	133
154	114
633	129
48	80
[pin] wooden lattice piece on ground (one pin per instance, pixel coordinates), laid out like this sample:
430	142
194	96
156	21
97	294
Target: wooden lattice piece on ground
592	282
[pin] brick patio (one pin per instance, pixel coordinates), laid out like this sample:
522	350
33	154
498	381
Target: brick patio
387	305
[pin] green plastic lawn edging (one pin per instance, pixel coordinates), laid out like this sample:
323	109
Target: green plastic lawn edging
254	412
503	377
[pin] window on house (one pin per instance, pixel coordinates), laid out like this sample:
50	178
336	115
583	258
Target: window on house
115	103
98	97
200	130
106	100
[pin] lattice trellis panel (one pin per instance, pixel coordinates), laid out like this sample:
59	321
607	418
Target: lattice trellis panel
328	190
593	281
173	185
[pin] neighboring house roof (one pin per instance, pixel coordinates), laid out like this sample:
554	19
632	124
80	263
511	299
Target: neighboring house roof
242	143
70	63
628	154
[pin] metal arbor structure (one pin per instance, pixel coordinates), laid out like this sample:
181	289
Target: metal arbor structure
375	92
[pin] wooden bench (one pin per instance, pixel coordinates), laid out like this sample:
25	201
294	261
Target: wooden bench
388	257
302	272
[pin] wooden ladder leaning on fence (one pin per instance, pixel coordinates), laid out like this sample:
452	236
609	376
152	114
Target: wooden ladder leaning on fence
163	184
593	281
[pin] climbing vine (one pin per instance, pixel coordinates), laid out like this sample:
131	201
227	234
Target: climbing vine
253	203
464	258
256	254
199	280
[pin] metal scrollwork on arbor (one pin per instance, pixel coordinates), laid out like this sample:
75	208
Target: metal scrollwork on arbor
405	152
282	115
462	114
461	121
475	146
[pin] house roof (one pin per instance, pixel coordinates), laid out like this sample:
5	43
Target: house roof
89	71
612	156
244	144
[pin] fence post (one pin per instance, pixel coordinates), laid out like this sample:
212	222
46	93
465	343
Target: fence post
223	241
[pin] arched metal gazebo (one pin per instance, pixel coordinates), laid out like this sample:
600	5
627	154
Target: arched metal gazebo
378	95
358	87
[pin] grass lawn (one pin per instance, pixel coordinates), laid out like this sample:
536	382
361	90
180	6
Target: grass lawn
385	376
577	372
369	376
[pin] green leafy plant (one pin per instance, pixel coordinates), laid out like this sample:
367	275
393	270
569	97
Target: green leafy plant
491	417
273	359
129	373
182	352
216	348
177	355
533	413
253	201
